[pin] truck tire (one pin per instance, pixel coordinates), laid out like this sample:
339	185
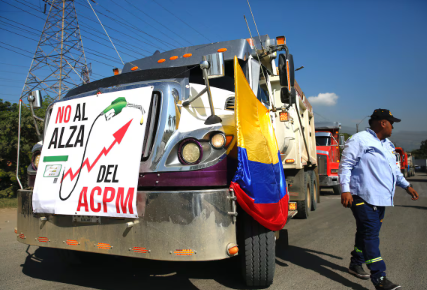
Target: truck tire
257	252
337	189
304	206
313	193
315	190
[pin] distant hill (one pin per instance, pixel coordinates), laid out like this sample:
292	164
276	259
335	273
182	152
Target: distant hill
409	140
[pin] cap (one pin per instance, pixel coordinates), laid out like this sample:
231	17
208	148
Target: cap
381	114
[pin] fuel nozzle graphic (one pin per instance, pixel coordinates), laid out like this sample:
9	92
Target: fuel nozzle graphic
118	105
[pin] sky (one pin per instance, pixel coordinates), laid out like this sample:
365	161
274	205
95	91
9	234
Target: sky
358	55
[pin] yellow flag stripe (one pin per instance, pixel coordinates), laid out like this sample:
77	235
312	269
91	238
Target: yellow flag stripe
254	130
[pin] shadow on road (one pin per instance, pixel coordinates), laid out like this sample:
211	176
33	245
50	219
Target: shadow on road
412	206
311	260
110	272
417	180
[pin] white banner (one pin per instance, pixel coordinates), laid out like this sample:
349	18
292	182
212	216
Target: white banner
91	155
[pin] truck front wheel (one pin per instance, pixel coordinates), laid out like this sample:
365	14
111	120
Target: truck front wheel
257	252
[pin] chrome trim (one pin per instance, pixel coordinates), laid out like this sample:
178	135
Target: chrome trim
323	134
322	152
197	220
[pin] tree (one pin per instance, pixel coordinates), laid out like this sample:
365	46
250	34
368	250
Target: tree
9	114
422	152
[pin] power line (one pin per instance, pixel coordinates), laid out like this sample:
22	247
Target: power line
181	20
105	31
124	25
157	22
130	12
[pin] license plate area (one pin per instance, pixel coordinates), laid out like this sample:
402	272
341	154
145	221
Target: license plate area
86	219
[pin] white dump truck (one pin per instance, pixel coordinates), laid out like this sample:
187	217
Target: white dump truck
139	164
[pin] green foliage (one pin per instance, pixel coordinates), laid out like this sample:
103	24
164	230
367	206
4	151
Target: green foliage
9	114
422	152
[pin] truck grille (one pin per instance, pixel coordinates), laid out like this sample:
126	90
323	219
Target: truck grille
229	104
322	163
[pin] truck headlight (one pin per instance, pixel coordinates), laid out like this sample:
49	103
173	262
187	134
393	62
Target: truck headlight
35	159
190	152
218	141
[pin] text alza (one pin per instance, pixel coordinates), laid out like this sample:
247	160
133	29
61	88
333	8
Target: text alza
77	134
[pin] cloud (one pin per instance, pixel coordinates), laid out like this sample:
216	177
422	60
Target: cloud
326	99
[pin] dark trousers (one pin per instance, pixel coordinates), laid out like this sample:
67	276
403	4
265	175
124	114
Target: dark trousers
369	219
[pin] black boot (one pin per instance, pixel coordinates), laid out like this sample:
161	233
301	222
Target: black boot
357	270
386	284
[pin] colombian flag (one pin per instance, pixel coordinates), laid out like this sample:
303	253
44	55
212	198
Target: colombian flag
259	182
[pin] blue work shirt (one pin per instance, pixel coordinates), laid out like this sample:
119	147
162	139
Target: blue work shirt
368	169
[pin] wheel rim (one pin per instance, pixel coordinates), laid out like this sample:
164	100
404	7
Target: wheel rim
314	192
308	197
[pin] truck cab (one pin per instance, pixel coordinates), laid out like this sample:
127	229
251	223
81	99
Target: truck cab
182	206
328	141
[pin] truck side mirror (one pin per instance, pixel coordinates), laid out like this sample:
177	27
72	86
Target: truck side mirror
287	97
35	99
342	141
216	65
283	72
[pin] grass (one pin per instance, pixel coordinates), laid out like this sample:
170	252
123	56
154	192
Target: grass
8	202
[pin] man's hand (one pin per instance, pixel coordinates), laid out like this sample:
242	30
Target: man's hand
346	199
412	193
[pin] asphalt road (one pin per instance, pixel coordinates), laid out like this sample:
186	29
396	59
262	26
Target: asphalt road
317	256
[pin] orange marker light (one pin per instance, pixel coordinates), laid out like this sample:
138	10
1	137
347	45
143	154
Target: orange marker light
187	55
228	139
134	68
183	252
251	42
222	50
161	60
173	57
43	239
281	40
292	206
290	161
233	251
116	71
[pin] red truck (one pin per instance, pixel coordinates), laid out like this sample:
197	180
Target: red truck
405	167
328	142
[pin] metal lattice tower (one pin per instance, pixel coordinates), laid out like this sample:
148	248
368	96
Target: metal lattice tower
59	62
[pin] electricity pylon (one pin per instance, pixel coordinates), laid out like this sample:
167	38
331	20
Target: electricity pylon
59	62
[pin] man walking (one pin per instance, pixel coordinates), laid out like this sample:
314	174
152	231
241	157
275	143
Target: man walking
368	177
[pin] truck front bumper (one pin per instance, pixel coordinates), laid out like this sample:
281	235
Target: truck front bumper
327	181
192	225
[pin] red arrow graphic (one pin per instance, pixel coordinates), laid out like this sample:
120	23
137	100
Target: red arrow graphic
118	136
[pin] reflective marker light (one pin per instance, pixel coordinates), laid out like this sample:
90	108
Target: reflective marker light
173	57
187	55
292	206
290	161
218	141
35	159
134	68
228	139
190	152
281	40
222	50
161	60
118	71
283	116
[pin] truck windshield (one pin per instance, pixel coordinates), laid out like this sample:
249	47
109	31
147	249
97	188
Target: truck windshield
323	141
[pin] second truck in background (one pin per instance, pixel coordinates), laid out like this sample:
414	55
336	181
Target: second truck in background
328	141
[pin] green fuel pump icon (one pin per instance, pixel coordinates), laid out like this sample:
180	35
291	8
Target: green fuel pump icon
118	105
